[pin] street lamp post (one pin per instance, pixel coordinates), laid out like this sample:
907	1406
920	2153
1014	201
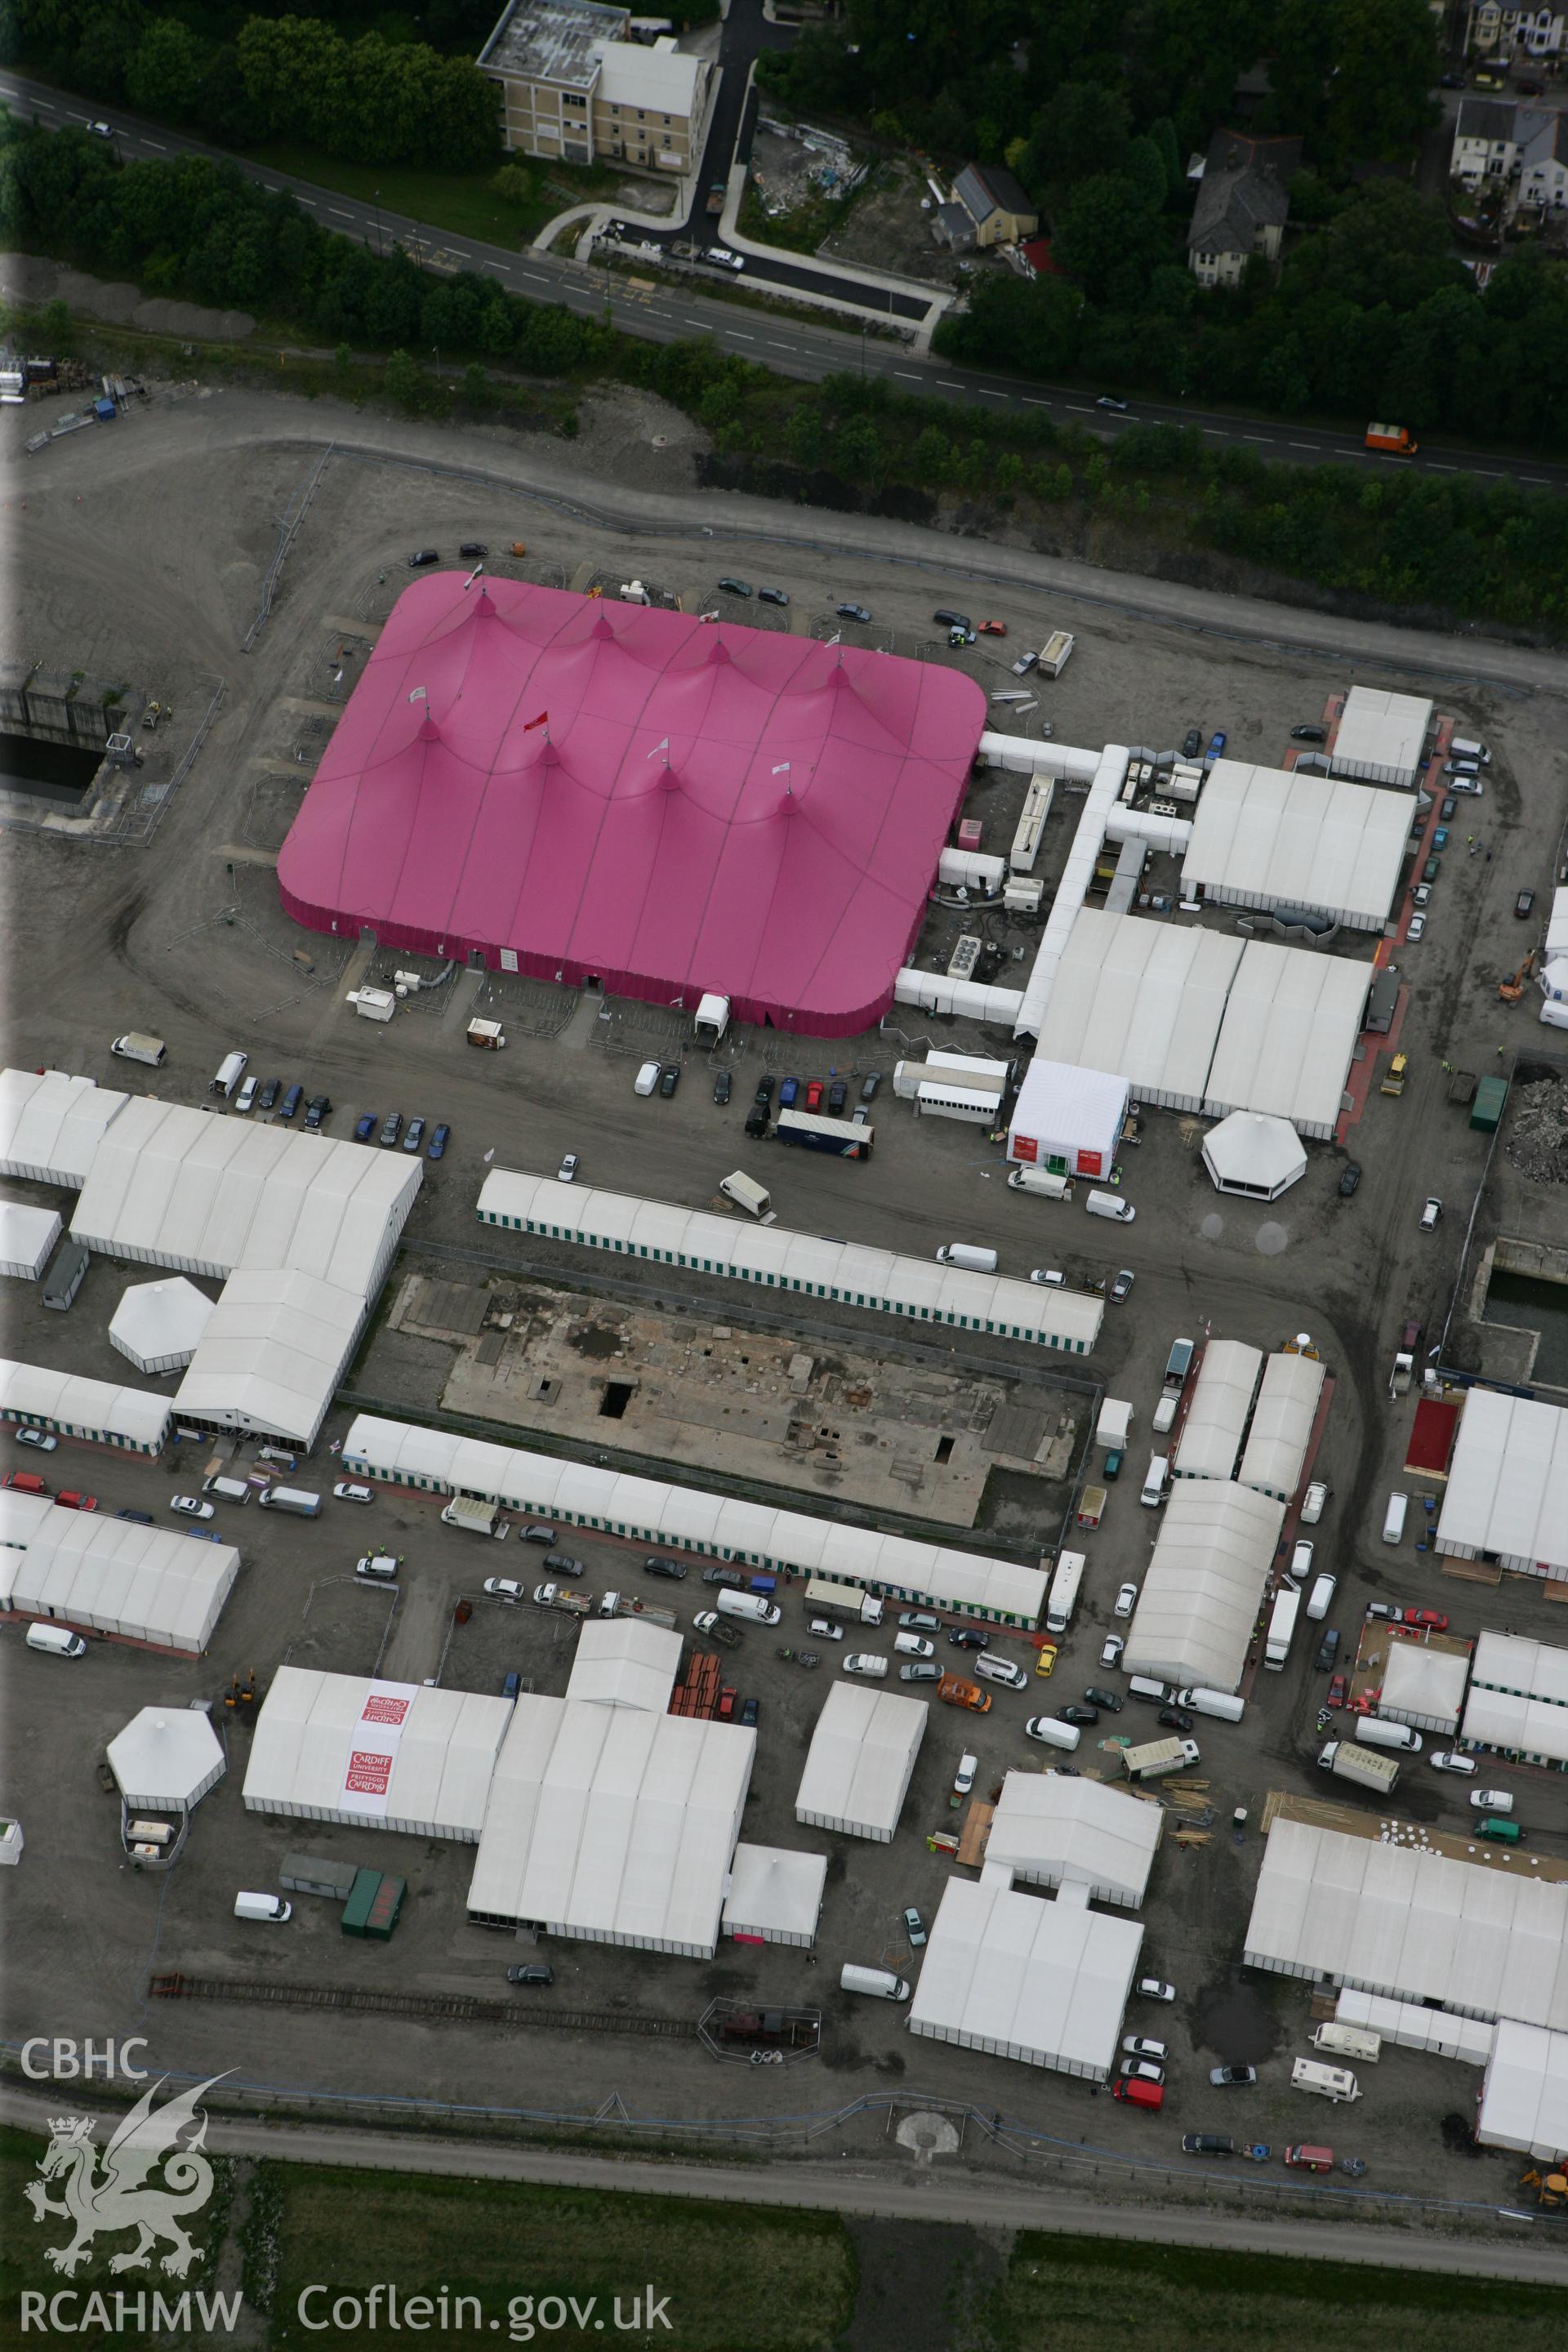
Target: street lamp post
380	243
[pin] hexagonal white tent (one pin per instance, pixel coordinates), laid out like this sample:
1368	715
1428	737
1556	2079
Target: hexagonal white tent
166	1758
1255	1155
159	1325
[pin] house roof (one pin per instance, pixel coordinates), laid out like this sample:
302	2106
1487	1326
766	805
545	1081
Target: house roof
1487	118
982	191
1542	135
1232	207
1239	150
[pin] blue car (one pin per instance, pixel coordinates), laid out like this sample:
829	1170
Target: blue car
1216	744
788	1093
1440	838
365	1127
290	1102
439	1144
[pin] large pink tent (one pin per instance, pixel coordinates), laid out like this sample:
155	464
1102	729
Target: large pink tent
600	791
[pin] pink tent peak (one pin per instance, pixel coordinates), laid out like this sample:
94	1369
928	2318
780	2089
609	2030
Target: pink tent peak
538	814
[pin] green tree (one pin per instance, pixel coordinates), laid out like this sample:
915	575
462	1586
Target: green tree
1385	70
860	455
1145	167
1108	237
514	182
802	433
475	385
1082	131
932	458
404	382
165	77
60	330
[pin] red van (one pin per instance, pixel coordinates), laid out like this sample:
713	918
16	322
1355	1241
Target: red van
1139	2094
26	1482
1311	2159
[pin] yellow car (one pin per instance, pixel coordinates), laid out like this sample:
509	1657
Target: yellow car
1046	1662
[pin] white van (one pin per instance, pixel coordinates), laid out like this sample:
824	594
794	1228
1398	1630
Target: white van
1052	1734
1320	1599
1393	1518
747	1194
987	1667
1145	1686
1374	1731
230	1072
1155	1480
303	1505
57	1641
867	1665
1312	1507
1041	1180
646	1079
969	1255
1110	1205
881	1982
227	1490
1164	1413
135	1046
1465	747
1224	1703
752	1606
262	1907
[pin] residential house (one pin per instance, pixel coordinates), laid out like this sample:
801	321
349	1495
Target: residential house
1522	149
577	88
1242	206
1496	32
996	206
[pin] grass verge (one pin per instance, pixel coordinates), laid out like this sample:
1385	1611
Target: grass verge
469	203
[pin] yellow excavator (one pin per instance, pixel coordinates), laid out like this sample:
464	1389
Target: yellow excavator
1550	2189
1510	991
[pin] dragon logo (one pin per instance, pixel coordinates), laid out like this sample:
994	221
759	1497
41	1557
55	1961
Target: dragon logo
119	2196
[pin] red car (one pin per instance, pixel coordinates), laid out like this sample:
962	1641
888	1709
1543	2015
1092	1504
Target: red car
727	1702
814	1093
1336	1692
70	1500
24	1482
1430	1621
992	628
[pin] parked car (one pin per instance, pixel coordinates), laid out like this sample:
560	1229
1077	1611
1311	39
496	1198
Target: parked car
1523	903
413	1135
837	1093
190	1506
722	1088
391	1128
1111	1650
852	613
914	1927
70	1498
1417	930
1081	1714
1452	1760
1218	742
268	1094
1387	1610
247	1094
531	1972
1430	871
1175	1719
869	1086
1421	897
1431	1213
919	1620
1156	1988
567	1172
1126	1600
789	1091
764	1094
438	1143
538	1532
1049	1277
1207	2144
346	1491
474	549
721	259
772	597
814	1094
1308	734
503	1588
1328	1650
951	620
424	555
991	628
1024	664
293	1096
317	1111
822	1629
1337	1689
1139	2045
964	1778
1192	742
736	587
647	1080
1302	1560
919	1673
674	1569
1350	1177
1440	838
1430	1621
964	1637
1111	1701
1141	2070
1122	1287
750	1710
41	1438
381	1567
366	1125
1449	809
1230	2078
668	1079
1492	1801
913	1645
1046	1659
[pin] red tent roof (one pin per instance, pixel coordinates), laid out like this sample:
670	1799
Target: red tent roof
703	808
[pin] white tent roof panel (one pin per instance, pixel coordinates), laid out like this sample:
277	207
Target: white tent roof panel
158	1324
272	1355
90	1408
1424	1687
662	1513
1221	1400
377	1755
1524	2096
1269	837
1048	1829
621	1663
613	1823
113	1576
1041	1980
1248	1152
51	1124
1143	1000
1064	1108
166	1756
1381	734
27	1237
1289	1032
1202	1587
1282	1424
1518	1726
860	1761
775	1894
1508	1482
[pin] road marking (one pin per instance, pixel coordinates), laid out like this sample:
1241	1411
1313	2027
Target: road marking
775	346
904	376
1034	403
1303	444
945	386
740	335
342	213
486	263
534	278
1078	412
154	142
986	393
1538	480
1214	432
1437	467
271	187
1264	437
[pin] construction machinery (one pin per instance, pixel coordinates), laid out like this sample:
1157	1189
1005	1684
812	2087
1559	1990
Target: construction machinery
1510	991
1550	2189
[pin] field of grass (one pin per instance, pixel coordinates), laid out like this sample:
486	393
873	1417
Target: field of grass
770	2282
466	203
1099	2296
24	2240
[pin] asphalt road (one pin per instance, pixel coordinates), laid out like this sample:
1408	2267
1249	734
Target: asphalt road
791	347
929	2195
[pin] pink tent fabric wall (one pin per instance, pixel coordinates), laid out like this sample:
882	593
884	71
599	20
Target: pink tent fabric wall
705	807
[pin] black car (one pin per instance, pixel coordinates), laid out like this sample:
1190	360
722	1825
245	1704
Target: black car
143	1518
1328	1650
1175	1719
391	1128
1110	1700
1207	2144
1350	1177
1452	82
764	1094
736	587
669	1077
424	555
534	1973
316	1110
474	549
1192	742
671	1567
722	1088
291	1100
1450	808
952	620
837	1093
772	597
1523	903
852	612
869	1086
268	1094
750	1710
756	1122
1430	871
964	1637
1077	1714
1308	734
725	1576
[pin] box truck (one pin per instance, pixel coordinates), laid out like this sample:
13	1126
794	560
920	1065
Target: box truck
1281	1626
1156	1757
748	1195
829	1600
1393	440
1348	1761
136	1046
1062	1598
468	1511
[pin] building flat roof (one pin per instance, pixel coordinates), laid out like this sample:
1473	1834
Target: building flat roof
553	40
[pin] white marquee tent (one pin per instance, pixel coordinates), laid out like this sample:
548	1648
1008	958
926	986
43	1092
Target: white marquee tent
375	1755
1483	1937
620	1663
158	1324
1143	1000
167	1758
1269	837
51	1124
1044	1980
135	1421
775	1896
1259	1158
1216	1415
713	1526
1202	1587
1291	1022
1049	1830
1281	1427
271	1358
1506	1495
1068	1117
1524	2094
27	1237
1380	736
776	1259
1424	1686
1519	1699
613	1825
106	1575
860	1761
